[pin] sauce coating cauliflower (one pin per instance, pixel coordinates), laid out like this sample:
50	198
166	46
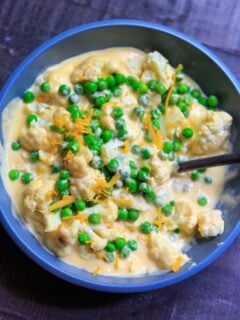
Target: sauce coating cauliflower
210	223
185	217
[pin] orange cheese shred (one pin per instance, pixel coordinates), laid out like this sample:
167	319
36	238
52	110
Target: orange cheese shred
49	194
59	121
82	217
154	133
177	264
122	202
69	155
126	148
62	203
114	180
96	272
179	67
116	262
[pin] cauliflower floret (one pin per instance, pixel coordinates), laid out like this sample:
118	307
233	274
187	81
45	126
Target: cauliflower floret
47	157
162	250
210	223
104	232
108	210
84	187
161	170
134	131
35	195
106	120
97	243
159	64
110	149
78	166
34	138
89	69
64	116
185	217
213	133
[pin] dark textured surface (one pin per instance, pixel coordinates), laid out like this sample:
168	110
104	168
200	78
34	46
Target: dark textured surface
28	292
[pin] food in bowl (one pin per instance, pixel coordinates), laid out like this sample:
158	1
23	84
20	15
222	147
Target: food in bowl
90	161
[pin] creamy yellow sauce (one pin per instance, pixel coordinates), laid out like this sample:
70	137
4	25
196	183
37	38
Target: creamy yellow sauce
158	251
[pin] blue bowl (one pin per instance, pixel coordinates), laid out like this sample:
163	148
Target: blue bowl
200	63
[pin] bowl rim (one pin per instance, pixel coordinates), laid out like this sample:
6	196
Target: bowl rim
6	219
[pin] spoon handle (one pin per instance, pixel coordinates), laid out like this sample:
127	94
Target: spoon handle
215	161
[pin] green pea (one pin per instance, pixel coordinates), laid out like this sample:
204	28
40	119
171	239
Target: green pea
162	107
64	192
79	88
91	87
100	100
143	88
144	99
28	97
106	135
34	156
133	173
208	180
132	164
174	99
13	174
66	212
109	257
145	187
195	176
202	170
167	209
146	227
155	113
97	113
135	149
132	185
117	91
132	245
160	88
120	243
151	196
152	84
202	201
55	168
133	215
73	146
113	165
177	145
138	111
16	146
56	129
212	102
27	177
64	90
146	153
168	146
120	78
124	253
183	106
73	98
96	162
83	238
177	230
120	124
111	81
122	134
122	214
73	107
187	133
64	175
110	247
80	205
156	123
183	88
179	75
135	85
45	87
203	101
61	185
196	93
94	218
102	84
143	175
131	80
117	112
31	117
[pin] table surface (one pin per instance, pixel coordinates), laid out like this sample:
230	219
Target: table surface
27	291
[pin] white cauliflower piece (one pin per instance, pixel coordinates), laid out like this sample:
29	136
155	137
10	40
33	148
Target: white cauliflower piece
89	69
104	232
47	157
97	243
161	170
110	149
162	250
51	221
107	120
185	217
34	138
213	133
160	65
78	166
210	223
64	115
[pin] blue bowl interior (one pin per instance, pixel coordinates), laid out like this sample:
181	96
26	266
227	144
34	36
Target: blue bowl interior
200	64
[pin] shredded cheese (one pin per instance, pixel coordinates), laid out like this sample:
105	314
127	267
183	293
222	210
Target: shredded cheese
101	185
177	264
154	133
96	272
122	202
179	67
82	125
49	194
126	148
59	121
62	203
82	217
69	155
116	261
